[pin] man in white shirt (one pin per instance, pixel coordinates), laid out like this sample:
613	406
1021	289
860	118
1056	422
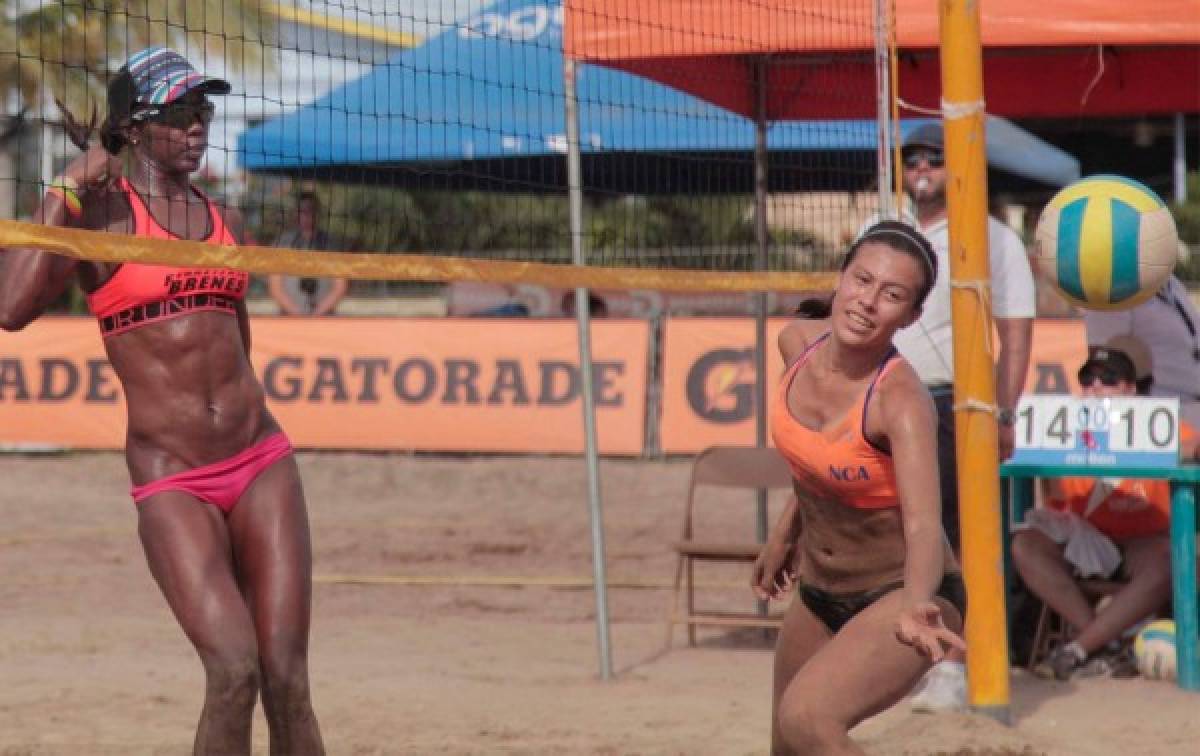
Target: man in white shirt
1170	326
928	344
929	347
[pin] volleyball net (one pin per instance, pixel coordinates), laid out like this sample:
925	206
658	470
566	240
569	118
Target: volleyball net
431	139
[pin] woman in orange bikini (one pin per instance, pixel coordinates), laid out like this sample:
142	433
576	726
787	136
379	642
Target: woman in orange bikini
880	595
221	513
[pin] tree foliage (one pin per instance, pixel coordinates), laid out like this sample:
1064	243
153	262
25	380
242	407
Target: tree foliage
66	49
712	232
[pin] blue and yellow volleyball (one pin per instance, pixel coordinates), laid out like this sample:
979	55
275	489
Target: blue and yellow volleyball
1154	649
1106	243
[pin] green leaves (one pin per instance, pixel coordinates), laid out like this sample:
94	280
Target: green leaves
693	232
66	49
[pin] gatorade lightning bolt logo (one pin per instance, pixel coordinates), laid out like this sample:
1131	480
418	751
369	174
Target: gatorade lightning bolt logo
720	385
720	390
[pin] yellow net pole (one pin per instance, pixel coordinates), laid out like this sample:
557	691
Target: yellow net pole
974	371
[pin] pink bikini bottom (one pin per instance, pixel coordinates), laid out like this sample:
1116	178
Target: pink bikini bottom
221	483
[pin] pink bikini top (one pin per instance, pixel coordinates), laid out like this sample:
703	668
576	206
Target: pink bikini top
138	295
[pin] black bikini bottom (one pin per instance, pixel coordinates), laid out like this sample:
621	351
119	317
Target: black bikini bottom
836	609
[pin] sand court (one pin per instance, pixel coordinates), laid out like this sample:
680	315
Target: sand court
452	616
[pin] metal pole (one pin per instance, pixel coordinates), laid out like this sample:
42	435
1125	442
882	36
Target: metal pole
883	111
1180	160
583	318
974	371
760	299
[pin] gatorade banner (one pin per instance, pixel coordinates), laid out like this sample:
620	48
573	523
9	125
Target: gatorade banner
708	376
708	381
485	385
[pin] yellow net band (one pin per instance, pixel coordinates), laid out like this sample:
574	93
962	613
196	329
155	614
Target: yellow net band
106	247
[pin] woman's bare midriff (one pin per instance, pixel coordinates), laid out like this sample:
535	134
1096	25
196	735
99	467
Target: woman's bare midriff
192	395
845	549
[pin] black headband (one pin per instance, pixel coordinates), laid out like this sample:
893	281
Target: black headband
911	236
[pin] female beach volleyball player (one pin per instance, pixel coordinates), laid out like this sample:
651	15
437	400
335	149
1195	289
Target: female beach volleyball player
221	513
879	593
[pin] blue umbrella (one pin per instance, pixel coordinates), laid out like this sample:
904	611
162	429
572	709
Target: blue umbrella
489	95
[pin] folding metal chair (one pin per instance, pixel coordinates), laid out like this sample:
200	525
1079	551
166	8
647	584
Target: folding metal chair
742	467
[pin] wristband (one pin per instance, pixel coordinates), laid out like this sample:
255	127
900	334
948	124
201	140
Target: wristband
66	188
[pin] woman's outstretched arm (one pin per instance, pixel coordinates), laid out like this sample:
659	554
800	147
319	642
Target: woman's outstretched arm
910	423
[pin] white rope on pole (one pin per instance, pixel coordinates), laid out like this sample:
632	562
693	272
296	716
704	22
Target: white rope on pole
936	112
952	111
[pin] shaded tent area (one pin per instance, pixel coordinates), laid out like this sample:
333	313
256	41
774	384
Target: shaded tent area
1145	148
481	106
1088	58
850	167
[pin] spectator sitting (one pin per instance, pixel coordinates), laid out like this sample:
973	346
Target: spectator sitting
297	295
597	307
1100	528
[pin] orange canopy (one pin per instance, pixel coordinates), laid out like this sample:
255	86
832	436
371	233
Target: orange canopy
1042	58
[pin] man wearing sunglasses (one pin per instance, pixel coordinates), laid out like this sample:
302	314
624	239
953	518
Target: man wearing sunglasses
1122	366
928	345
1111	529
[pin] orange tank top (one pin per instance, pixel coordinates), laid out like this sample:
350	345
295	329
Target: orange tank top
138	295
837	462
1134	508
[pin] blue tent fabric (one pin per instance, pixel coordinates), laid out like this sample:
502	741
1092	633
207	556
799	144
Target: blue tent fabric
493	89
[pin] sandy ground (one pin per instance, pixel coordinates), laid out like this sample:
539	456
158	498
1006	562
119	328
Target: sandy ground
452	616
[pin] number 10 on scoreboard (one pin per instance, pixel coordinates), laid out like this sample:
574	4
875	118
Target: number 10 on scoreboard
1072	430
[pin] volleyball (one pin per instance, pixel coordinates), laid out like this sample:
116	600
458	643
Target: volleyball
1154	649
1106	243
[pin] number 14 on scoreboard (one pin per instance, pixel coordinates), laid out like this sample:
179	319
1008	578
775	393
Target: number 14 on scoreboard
1072	430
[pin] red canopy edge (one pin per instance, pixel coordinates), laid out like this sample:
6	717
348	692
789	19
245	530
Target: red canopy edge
1087	58
1042	83
604	31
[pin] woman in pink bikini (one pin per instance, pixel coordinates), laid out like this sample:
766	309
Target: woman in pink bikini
221	512
879	596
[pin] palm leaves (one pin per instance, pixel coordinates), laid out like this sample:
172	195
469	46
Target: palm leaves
66	49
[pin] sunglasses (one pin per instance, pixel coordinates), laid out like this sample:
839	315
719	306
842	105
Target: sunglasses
181	115
914	158
1109	378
